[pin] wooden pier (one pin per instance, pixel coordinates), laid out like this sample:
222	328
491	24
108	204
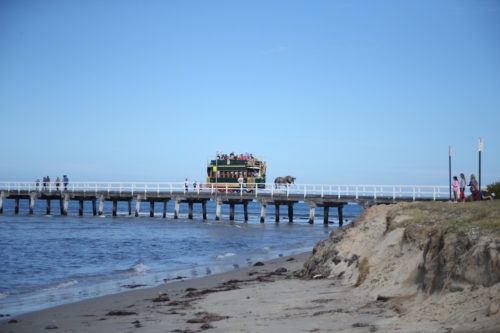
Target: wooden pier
322	196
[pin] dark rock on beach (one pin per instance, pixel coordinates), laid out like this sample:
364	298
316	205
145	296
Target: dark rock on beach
120	313
281	270
162	298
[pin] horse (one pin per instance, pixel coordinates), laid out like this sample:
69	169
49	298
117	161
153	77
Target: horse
284	181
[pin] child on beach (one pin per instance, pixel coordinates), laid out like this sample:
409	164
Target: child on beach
463	183
455	187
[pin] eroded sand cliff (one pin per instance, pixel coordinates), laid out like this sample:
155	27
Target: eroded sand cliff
429	261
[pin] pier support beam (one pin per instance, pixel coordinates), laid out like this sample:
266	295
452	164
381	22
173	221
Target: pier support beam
80	207
115	207
94	206
65	205
231	211
263	212
137	206
312	207
341	218
326	210
245	210
290	212
152	208
190	212
217	210
101	204
204	208
129	202
165	208
32	202
2	195
61	205
48	206
176	210
277	213
16	209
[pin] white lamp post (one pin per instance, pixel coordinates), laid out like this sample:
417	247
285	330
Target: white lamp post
480	151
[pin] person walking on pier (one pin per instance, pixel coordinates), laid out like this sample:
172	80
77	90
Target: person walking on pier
186	185
463	183
65	181
58	182
37	184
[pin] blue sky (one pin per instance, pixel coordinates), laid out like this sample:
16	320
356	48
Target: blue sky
344	92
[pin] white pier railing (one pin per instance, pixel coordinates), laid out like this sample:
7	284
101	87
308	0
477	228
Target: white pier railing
341	191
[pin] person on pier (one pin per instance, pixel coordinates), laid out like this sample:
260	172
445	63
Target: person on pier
58	182
65	181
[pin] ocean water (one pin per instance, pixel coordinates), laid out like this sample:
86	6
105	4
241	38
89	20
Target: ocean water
48	260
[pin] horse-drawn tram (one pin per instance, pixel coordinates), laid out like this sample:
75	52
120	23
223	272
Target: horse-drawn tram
236	171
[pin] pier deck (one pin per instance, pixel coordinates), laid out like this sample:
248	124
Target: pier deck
315	195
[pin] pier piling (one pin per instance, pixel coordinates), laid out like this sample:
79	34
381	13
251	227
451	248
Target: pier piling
231	211
263	212
190	212
176	210
137	206
217	210
65	204
165	208
277	212
312	208
245	210
48	206
290	212
326	210
80	207
101	204
61	206
204	208
2	195
16	209
115	206
341	218
94	208
151	208
129	203
32	202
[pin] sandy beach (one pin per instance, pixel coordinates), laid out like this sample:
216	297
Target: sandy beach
266	298
375	276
